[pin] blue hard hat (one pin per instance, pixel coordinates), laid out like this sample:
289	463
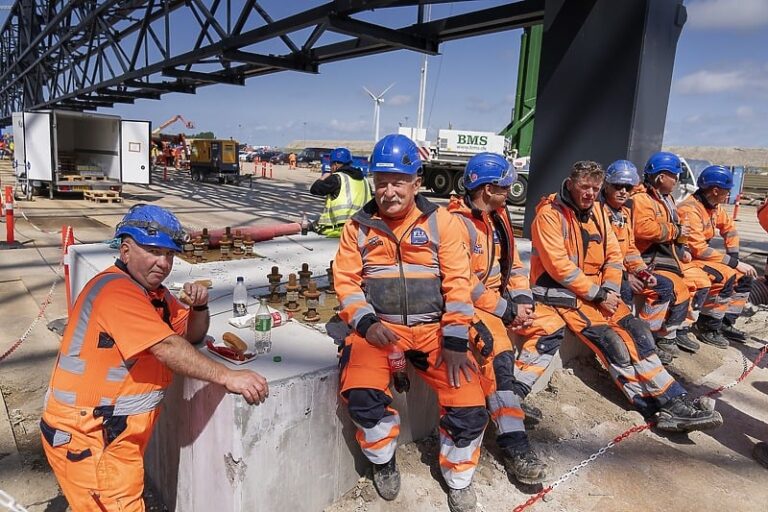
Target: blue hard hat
341	155
715	176
663	161
151	225
622	172
395	153
488	168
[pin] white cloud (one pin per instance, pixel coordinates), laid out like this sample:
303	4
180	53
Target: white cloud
399	100
748	77
349	126
731	14
745	112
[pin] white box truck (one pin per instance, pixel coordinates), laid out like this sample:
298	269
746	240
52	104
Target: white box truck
66	151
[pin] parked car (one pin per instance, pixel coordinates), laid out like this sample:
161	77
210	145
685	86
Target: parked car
309	155
280	158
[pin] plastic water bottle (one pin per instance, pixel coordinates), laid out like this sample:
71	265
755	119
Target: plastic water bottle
396	360
240	298
262	327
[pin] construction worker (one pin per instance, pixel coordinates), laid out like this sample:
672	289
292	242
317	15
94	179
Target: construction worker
502	299
345	190
621	178
576	268
760	450
126	335
402	278
659	236
731	279
292	160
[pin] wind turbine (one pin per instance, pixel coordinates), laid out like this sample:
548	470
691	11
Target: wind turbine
377	101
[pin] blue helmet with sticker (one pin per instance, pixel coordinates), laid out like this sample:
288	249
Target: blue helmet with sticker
151	225
395	153
484	168
622	172
341	155
715	176
663	161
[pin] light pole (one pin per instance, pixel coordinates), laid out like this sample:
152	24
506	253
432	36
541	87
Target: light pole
305	134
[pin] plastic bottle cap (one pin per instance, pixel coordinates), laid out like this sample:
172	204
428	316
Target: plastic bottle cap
277	359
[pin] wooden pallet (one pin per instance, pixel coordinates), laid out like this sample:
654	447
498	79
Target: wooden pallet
102	196
77	177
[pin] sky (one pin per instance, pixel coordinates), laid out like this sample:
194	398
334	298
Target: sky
719	92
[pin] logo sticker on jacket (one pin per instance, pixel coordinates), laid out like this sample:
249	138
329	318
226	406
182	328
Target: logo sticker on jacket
495	236
375	241
419	236
477	249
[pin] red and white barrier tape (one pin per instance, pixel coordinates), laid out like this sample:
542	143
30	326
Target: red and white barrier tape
634	430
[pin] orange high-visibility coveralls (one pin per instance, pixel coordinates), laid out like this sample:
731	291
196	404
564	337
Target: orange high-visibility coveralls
657	225
500	282
730	288
412	275
575	260
292	161
106	389
653	310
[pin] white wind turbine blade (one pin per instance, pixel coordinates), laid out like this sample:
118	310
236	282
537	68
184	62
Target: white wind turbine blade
373	96
386	90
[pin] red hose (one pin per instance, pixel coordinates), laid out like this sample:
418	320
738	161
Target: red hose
258	233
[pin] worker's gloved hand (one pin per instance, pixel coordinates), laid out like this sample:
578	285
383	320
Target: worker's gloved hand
483	339
418	359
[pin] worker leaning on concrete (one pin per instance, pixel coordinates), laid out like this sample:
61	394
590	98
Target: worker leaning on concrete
402	277
503	300
127	334
621	178
760	450
731	279
659	234
576	268
345	190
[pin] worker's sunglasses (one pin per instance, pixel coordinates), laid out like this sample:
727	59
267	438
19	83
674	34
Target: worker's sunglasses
628	188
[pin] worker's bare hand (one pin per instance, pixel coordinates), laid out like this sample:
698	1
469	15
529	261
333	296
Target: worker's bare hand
252	386
524	317
379	335
456	363
325	176
197	294
746	269
611	302
635	283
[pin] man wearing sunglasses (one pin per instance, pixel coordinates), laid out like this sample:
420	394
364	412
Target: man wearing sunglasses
621	178
731	279
126	336
660	235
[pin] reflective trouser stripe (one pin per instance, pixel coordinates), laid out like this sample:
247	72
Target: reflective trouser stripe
715	306
506	412
379	442
458	464
531	365
654	314
737	303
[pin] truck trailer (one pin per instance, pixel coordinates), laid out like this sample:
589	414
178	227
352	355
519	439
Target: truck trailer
66	151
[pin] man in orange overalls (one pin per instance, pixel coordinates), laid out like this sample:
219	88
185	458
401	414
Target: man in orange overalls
576	268
760	450
731	279
503	300
402	278
127	334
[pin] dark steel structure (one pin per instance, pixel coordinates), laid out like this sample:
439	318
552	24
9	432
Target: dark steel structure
86	54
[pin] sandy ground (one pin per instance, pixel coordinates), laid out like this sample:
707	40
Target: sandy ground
583	410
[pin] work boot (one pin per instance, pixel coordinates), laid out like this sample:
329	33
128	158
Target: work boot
664	356
760	453
533	415
732	333
668	345
386	479
682	415
685	342
710	337
525	466
462	500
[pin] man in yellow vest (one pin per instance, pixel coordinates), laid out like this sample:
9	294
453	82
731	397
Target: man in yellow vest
346	191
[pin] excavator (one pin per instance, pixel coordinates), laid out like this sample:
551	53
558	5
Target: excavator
177	156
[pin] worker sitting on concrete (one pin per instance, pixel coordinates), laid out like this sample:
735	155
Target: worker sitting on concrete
731	279
503	300
576	268
660	236
402	278
620	179
345	190
760	450
126	335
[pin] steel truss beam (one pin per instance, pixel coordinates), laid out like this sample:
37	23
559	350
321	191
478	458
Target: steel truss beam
84	55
